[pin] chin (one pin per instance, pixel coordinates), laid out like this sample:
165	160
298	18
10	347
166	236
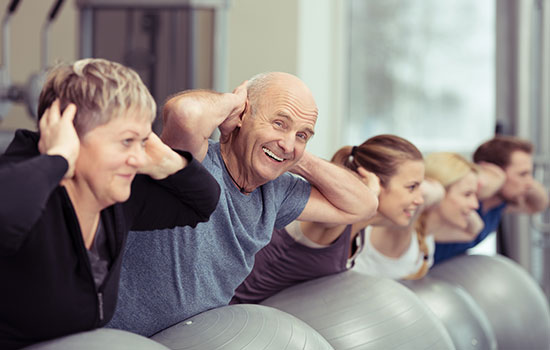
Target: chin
121	196
403	223
463	225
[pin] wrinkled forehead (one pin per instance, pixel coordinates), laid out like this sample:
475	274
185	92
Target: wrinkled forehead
293	100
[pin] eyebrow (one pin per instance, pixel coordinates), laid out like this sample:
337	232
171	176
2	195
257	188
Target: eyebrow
290	120
135	133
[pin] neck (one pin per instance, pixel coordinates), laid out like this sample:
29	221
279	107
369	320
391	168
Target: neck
380	220
236	172
434	222
392	242
492	202
86	208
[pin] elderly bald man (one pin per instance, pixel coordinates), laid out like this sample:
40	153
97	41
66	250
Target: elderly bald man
265	125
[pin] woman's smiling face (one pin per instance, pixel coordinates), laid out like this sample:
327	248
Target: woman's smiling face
401	197
459	201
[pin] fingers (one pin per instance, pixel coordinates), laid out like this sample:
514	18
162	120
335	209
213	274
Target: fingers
241	93
69	113
242	87
44	120
370	178
52	114
364	173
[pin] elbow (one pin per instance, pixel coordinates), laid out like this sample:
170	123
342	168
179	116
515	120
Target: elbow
537	201
210	202
11	242
368	209
179	123
214	198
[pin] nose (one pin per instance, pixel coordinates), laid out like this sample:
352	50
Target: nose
474	203
137	158
287	142
419	200
529	182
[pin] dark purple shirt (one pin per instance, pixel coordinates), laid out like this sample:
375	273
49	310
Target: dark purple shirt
285	262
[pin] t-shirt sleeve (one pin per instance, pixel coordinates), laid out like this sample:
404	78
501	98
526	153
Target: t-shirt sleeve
294	193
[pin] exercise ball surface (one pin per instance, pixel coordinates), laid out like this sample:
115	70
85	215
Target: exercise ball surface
466	323
100	339
243	326
513	302
355	311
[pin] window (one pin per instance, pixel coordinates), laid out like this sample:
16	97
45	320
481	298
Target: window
423	70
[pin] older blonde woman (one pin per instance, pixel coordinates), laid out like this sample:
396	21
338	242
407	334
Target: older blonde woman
71	193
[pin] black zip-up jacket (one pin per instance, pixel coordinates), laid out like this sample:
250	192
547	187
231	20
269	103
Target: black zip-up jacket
47	287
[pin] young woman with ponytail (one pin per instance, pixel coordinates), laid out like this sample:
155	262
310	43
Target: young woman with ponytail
307	250
450	214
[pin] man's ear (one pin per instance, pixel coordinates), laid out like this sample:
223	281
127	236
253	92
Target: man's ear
246	112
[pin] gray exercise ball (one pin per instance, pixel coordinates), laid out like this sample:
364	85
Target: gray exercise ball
100	339
466	323
355	311
244	326
513	302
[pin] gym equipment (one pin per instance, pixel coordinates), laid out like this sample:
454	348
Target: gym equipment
100	339
466	323
242	326
351	311
514	304
31	91
6	89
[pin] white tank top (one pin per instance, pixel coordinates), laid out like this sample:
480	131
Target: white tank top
374	263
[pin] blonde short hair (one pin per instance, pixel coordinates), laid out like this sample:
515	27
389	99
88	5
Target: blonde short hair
447	167
102	91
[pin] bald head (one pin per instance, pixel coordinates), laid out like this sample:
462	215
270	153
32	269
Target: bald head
264	87
275	127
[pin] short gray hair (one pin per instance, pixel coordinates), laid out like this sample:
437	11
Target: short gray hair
256	87
102	91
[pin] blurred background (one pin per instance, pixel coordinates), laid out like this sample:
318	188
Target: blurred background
446	75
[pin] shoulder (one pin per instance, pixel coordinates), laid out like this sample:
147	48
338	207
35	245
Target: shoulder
288	181
24	143
213	158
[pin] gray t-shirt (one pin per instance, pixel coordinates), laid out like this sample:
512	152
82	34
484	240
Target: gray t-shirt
170	275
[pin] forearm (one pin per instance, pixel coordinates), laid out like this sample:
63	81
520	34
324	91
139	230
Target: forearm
170	163
26	187
191	117
185	198
432	192
536	199
490	180
446	233
351	199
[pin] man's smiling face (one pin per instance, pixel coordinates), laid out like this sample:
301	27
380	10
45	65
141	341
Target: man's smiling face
275	131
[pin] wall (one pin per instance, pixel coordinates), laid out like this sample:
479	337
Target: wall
305	38
262	37
299	37
25	27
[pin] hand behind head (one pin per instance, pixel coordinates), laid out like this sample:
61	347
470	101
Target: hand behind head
58	135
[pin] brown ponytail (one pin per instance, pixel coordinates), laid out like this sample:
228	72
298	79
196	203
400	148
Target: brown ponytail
380	154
